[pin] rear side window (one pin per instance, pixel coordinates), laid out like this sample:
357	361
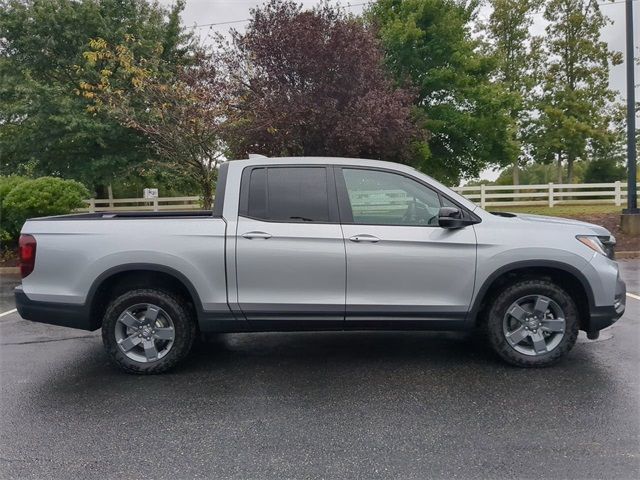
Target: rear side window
289	194
258	193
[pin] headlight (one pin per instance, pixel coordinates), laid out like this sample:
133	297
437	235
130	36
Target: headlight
609	245
593	242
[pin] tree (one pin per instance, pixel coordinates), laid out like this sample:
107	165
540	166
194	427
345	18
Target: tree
608	154
428	44
45	128
181	115
516	53
576	106
313	83
534	173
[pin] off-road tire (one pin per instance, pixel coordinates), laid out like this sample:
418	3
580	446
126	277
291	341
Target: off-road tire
183	321
504	299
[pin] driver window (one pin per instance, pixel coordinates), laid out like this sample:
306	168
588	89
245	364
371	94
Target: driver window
384	198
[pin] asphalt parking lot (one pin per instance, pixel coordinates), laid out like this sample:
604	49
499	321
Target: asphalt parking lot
320	405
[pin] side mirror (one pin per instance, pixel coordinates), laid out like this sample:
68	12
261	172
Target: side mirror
451	217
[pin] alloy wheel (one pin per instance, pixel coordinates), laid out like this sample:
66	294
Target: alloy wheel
534	325
145	332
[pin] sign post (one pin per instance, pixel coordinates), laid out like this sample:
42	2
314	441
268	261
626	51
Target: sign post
150	193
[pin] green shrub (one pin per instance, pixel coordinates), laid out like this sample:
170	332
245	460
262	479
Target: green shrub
40	198
602	170
8	183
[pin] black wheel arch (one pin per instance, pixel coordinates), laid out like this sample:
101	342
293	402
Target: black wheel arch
567	276
131	274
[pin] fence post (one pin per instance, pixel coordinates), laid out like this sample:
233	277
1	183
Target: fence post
155	204
92	205
483	200
618	194
551	202
110	192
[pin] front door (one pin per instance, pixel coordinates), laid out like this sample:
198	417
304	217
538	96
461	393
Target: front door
402	266
289	249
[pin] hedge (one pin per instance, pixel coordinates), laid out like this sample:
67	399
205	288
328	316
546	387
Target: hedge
23	198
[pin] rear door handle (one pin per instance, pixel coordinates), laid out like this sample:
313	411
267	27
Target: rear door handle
251	235
363	237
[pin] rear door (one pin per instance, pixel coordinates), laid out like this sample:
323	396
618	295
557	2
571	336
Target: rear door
290	254
402	266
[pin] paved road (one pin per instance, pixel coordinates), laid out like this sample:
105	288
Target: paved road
327	405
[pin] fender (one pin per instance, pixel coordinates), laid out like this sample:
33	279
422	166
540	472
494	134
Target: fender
221	319
482	291
143	266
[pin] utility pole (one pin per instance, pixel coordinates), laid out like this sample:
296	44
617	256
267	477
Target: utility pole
630	221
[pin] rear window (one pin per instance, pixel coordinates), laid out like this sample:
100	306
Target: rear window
289	194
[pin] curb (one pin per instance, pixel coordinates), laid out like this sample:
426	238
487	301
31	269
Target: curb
627	254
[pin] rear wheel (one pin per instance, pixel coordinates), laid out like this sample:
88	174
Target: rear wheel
147	331
532	323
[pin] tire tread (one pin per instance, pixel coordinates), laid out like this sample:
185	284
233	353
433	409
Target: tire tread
503	300
182	344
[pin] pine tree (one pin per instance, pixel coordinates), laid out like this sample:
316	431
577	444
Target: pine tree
576	104
516	53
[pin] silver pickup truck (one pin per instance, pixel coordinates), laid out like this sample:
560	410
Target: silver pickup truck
320	244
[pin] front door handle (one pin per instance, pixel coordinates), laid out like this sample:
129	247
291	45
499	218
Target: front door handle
363	237
251	235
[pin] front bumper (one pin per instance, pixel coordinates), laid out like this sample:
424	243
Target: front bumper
603	317
62	314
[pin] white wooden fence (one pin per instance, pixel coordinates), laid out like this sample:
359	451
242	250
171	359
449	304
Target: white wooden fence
486	195
142	204
546	194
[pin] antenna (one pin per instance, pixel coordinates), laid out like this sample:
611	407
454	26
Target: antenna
256	155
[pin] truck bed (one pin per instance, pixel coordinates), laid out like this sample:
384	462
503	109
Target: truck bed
131	215
75	251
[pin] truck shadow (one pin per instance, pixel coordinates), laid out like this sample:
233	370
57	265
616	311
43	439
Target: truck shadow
318	367
340	349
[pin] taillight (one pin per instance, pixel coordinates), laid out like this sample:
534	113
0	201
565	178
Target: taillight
27	254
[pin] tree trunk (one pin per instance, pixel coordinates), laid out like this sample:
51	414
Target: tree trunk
516	173
207	193
101	191
570	160
206	175
560	168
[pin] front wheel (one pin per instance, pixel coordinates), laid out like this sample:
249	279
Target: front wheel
147	331
532	323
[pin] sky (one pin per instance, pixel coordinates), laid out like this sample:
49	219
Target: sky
202	12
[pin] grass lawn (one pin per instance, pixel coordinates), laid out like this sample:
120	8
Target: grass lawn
571	211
